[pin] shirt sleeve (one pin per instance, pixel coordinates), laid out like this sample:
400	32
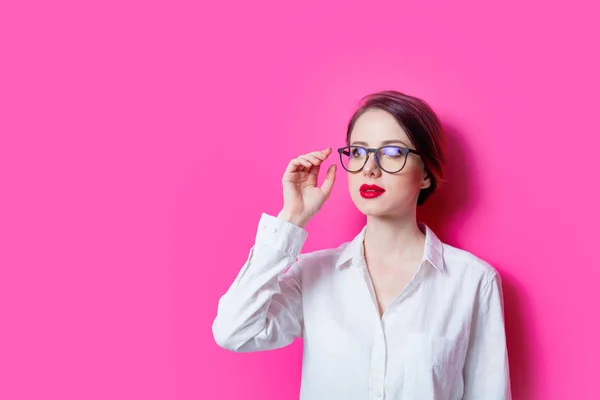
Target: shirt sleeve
262	309
486	371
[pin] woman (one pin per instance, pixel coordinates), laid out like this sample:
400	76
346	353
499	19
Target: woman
394	313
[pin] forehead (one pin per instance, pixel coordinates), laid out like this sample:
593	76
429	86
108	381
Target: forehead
375	126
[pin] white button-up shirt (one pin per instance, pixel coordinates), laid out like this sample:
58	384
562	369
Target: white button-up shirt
442	337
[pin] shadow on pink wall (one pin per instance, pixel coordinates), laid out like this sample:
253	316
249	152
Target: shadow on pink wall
444	212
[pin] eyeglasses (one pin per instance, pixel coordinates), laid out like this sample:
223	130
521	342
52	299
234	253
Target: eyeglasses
390	159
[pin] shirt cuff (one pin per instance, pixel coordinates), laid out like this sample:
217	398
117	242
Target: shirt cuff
280	234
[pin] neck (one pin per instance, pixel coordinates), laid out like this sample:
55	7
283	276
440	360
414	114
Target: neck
394	241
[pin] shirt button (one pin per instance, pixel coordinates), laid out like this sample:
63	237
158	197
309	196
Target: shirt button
273	229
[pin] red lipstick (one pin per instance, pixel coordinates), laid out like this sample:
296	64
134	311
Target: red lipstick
371	191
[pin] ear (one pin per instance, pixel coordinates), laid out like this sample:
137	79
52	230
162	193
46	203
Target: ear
425	180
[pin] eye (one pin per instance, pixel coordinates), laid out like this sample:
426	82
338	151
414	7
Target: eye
393	151
356	152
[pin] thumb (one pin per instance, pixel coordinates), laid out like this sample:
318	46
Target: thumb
329	180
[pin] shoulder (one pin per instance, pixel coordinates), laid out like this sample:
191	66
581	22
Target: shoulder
326	257
467	266
323	263
312	267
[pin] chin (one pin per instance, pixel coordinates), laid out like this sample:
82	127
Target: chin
380	209
372	209
374	214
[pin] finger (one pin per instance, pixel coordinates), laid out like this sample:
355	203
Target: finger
315	170
329	180
321	155
303	161
313	160
298	164
306	163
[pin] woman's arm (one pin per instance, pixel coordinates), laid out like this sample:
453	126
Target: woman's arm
486	372
262	309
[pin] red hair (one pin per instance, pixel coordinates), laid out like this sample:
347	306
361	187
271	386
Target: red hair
420	123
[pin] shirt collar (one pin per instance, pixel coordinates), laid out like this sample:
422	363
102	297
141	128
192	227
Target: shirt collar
353	252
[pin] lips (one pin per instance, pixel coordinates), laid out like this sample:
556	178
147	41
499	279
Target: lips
371	191
373	188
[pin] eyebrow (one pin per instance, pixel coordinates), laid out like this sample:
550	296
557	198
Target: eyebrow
382	143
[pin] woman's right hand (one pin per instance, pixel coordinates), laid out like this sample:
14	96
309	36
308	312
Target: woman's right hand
302	198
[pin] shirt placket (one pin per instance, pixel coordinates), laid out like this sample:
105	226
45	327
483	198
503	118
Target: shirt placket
379	347
378	361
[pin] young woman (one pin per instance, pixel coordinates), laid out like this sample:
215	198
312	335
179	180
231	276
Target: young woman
393	314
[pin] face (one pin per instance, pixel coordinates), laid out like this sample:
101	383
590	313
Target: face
373	129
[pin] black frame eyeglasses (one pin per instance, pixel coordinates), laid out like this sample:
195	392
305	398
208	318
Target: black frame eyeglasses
346	151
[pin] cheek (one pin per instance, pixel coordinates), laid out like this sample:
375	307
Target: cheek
354	181
414	174
404	183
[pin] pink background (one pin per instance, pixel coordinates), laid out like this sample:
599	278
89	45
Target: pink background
140	141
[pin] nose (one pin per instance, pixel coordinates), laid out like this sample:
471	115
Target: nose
371	169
